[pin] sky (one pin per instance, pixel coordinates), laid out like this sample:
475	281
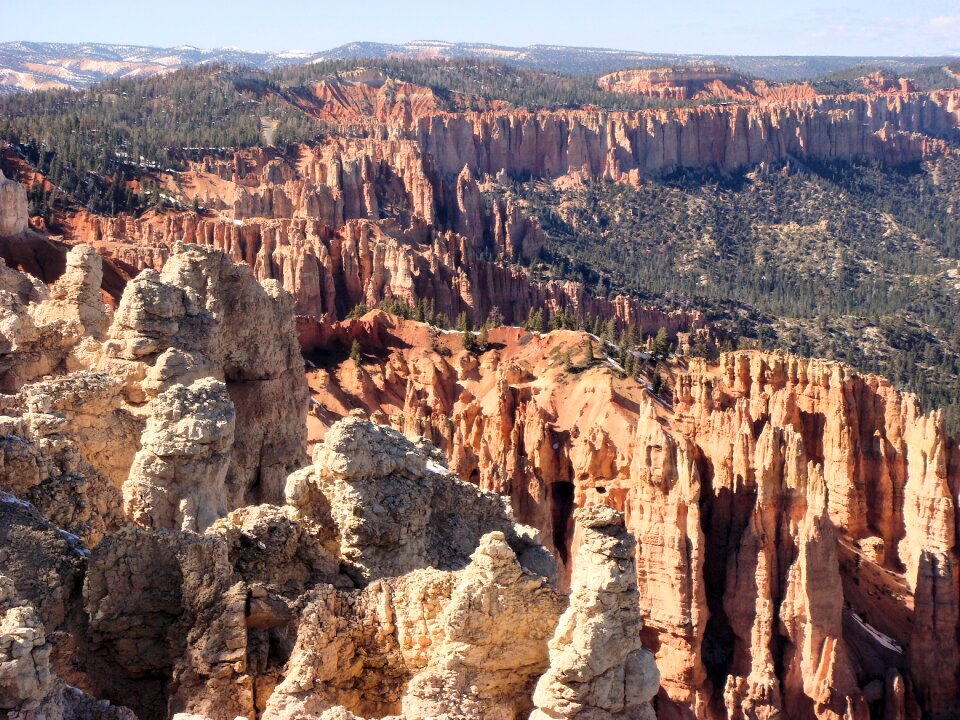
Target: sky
746	27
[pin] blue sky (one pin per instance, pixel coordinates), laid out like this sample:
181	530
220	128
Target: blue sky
747	27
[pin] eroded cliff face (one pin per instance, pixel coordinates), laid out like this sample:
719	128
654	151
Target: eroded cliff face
705	83
13	207
631	146
376	582
395	203
330	272
795	522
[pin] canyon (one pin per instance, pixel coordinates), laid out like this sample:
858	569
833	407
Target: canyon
233	487
410	212
168	545
796	523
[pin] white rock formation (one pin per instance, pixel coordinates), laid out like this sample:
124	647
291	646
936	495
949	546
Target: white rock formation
13	207
598	668
177	478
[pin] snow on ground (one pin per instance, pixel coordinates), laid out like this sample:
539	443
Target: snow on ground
885	640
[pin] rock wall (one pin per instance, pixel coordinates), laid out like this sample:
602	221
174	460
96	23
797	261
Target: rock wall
328	273
637	145
29	689
796	523
13	207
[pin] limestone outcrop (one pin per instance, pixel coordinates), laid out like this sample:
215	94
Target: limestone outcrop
205	316
13	207
329	270
461	644
395	510
136	410
75	296
495	630
41	327
177	480
795	521
29	688
627	146
598	668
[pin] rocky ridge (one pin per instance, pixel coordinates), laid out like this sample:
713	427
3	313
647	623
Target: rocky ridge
13	207
395	203
711	81
144	566
795	522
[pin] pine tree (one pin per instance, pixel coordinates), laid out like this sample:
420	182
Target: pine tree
661	343
483	339
355	352
358	311
534	321
610	330
557	320
656	383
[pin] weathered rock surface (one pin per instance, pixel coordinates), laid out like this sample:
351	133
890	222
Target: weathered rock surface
24	654
13	207
205	316
40	327
330	271
496	627
431	643
598	668
188	351
75	296
632	145
177	479
394	509
29	689
795	521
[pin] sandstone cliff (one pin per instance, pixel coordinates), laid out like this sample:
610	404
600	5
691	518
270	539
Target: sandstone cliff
635	145
382	585
706	83
13	207
398	213
795	522
330	272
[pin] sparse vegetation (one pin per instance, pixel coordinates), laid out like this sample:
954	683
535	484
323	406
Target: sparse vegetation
852	262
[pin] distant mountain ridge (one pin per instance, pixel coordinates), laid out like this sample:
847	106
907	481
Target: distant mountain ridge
39	65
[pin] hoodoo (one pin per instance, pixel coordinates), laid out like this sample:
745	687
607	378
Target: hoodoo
465	382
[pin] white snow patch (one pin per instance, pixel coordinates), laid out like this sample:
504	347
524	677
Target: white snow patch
885	640
9	499
615	364
436	468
